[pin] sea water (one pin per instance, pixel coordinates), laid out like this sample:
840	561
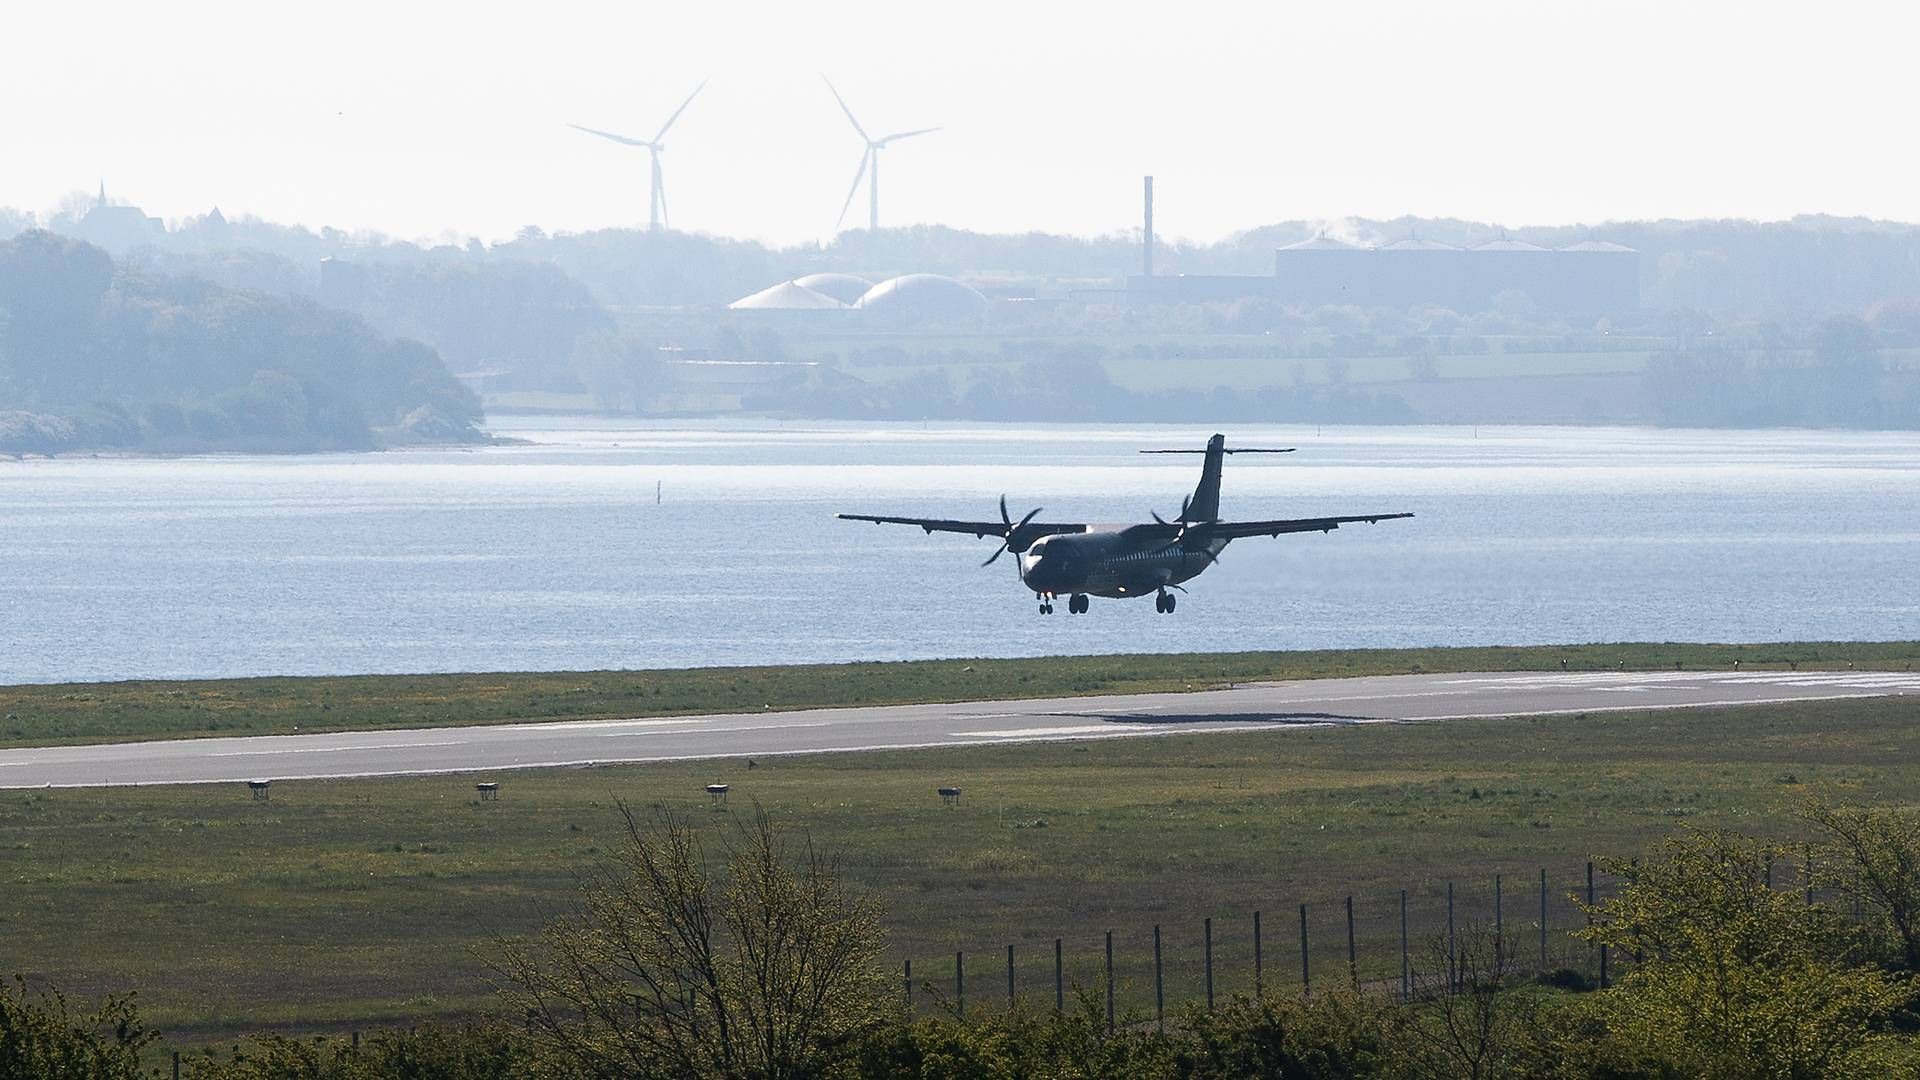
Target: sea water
628	544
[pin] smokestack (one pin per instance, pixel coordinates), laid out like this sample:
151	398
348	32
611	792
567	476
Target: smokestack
1147	237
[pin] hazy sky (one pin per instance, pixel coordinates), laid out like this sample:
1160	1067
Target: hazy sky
421	118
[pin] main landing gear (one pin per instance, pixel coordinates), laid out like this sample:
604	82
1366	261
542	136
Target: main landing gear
1164	602
1077	604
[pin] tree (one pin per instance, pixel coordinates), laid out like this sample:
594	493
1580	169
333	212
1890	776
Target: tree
665	972
1736	979
1468	1023
622	372
1873	856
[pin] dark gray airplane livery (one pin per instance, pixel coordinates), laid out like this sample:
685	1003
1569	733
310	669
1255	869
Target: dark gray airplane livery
1081	561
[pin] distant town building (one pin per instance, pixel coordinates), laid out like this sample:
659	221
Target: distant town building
117	228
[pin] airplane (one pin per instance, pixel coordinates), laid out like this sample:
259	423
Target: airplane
1081	561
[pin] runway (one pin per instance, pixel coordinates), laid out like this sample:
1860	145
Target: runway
1252	707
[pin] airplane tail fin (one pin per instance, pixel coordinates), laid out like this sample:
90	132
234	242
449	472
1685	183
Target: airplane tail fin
1205	503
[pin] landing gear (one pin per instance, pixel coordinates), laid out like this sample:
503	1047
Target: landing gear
1078	603
1046	608
1164	602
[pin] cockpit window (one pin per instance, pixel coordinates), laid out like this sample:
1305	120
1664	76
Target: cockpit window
1038	549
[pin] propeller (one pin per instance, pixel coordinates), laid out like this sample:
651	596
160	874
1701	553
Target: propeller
1011	539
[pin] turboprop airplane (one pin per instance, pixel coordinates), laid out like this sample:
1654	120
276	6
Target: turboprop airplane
1149	558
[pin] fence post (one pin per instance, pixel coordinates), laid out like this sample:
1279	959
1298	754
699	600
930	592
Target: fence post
1543	919
1406	965
1258	986
1109	980
176	1064
356	1040
1590	903
1009	976
1159	990
1809	875
1305	971
1059	980
1353	956
1209	940
1453	969
906	976
960	982
1499	924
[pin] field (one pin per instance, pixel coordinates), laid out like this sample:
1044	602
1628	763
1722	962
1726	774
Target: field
344	904
102	712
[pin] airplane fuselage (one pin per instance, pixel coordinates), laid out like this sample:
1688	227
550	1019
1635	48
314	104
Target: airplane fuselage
1112	561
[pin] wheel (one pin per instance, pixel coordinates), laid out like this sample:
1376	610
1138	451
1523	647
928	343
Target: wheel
1171	601
1160	603
1077	604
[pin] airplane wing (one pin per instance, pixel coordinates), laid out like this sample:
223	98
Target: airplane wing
1233	530
976	528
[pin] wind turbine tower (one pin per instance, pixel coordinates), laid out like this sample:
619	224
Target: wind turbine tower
657	199
869	163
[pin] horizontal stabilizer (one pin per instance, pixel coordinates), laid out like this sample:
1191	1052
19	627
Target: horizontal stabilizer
1227	450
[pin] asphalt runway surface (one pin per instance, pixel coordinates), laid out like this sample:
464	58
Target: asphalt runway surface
1250	707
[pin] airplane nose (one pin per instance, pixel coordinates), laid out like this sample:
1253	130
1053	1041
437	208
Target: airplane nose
1043	573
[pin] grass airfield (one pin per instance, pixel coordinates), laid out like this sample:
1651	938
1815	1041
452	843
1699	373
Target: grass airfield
343	904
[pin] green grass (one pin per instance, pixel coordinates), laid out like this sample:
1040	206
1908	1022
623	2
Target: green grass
342	904
99	712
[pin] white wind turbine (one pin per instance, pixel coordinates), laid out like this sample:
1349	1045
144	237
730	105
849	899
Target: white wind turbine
657	201
869	162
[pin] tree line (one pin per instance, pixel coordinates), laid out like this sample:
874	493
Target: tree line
95	355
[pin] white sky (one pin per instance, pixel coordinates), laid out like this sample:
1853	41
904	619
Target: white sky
420	118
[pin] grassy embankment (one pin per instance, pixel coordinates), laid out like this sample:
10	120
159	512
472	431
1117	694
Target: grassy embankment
101	712
347	903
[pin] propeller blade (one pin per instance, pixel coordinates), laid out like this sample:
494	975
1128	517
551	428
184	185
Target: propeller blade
1157	519
1031	514
999	551
1005	518
885	139
681	109
621	139
1185	502
844	109
854	190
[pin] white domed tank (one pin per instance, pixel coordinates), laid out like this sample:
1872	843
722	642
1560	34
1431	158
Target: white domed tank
923	298
846	288
787	296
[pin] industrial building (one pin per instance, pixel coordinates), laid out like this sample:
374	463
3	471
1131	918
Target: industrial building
1594	277
1590	278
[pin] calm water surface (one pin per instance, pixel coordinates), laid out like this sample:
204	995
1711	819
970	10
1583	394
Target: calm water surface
555	555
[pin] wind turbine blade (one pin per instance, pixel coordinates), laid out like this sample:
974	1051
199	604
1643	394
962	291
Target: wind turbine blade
844	109
622	139
855	189
681	109
907	135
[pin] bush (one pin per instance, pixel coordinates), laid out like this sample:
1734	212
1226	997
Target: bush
42	1039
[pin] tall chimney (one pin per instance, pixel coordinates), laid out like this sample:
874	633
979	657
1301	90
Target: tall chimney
1147	238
